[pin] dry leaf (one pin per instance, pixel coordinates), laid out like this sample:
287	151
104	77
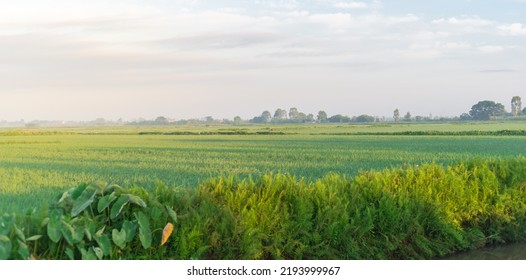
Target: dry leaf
167	231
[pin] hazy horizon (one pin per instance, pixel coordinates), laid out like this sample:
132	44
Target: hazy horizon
82	60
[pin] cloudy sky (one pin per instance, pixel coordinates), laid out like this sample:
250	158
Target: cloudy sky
80	60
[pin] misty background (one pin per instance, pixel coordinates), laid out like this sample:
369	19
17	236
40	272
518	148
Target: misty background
82	60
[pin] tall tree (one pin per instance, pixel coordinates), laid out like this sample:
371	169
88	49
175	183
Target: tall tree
280	114
322	117
266	116
516	106
407	117
293	113
486	109
396	115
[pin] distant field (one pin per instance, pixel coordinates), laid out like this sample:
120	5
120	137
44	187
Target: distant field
303	129
34	168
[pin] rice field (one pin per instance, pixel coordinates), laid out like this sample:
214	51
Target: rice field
36	166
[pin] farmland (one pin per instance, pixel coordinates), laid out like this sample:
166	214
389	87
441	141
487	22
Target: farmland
37	166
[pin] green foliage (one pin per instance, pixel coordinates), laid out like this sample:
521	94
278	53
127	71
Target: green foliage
419	212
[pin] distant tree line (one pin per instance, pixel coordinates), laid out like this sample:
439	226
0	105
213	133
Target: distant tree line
482	111
295	116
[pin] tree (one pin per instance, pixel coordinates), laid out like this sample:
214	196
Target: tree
237	120
266	116
339	119
396	115
465	117
293	113
364	119
524	111
486	109
322	117
516	106
407	117
301	117
310	118
161	120
280	114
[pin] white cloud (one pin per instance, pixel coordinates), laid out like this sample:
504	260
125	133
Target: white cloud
279	4
463	21
335	20
491	49
351	5
514	29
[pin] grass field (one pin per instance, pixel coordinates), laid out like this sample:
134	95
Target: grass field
36	165
261	192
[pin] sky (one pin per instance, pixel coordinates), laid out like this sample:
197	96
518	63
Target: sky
81	60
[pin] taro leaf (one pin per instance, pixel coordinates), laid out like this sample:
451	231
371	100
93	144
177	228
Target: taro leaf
171	213
100	232
89	254
145	233
76	192
33	238
54	225
131	230
5	247
5	224
44	222
23	251
83	201
116	209
119	238
98	252
20	234
64	196
70	254
104	243
68	232
89	229
79	234
136	200
105	202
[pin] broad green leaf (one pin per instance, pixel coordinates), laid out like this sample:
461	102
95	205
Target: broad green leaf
54	225
19	233
5	247
104	243
33	238
83	201
105	202
70	254
64	196
145	233
119	238
44	222
23	251
76	192
6	222
136	200
68	232
171	213
116	209
88	255
90	229
98	252
100	232
131	230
